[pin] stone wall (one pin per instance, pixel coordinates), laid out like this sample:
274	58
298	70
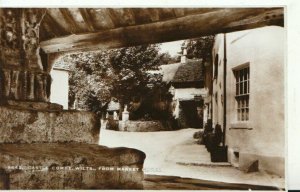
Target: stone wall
34	132
69	166
43	149
141	126
31	126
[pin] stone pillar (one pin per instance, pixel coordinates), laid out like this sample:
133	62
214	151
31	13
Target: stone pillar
184	53
205	114
125	114
116	116
23	76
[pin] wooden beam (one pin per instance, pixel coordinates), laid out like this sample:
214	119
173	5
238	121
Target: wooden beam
59	18
53	26
141	15
113	17
178	12
166	13
192	26
87	19
125	17
154	14
69	19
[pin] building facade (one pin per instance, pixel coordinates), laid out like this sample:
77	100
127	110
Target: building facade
187	85
60	85
248	96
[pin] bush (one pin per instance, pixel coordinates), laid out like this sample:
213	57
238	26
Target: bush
112	125
198	135
212	139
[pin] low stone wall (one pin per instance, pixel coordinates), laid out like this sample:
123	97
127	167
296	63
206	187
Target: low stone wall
141	126
46	149
70	166
31	126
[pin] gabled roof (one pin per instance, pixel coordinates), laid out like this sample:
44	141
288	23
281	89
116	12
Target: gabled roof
191	71
113	106
169	71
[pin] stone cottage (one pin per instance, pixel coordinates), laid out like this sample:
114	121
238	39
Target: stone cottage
188	90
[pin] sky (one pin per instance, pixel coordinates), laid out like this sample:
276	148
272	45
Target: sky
172	47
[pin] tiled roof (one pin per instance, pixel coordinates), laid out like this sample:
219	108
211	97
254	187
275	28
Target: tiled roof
169	71
189	72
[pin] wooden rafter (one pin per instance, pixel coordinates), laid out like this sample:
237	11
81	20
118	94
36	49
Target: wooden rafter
87	19
68	17
141	15
113	17
191	26
56	29
154	14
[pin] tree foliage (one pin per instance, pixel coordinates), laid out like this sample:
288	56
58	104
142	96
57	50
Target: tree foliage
98	76
130	65
200	48
90	79
166	58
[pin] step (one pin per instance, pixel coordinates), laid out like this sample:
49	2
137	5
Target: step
212	164
161	182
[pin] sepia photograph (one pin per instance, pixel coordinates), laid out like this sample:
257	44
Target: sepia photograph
143	98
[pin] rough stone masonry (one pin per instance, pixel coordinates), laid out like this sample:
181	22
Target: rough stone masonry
42	146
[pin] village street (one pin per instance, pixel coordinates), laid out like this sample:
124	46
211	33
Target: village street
175	153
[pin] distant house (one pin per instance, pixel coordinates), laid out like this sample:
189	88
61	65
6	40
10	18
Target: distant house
113	108
187	87
248	96
60	84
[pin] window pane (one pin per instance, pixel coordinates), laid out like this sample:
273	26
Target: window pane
242	93
248	87
243	110
245	87
241	88
247	114
242	75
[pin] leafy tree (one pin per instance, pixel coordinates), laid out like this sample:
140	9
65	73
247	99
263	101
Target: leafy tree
166	58
98	76
200	48
131	66
90	79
